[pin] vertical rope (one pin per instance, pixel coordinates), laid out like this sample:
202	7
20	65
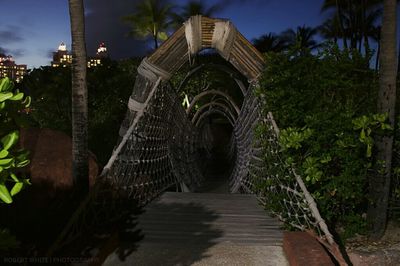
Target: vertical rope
139	114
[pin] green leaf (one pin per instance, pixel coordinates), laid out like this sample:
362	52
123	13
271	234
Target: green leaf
17	97
385	126
362	135
9	140
23	163
7	161
17	188
326	159
5	96
27	101
162	36
14	177
3	154
5	195
369	150
4	84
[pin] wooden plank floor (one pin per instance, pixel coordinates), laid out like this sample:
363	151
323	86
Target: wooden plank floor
197	217
202	229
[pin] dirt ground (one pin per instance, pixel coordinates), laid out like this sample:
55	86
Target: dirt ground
385	252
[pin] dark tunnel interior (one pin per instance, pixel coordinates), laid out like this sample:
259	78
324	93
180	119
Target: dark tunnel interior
218	156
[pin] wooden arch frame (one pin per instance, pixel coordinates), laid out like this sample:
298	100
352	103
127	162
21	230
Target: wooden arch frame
196	34
212	92
212	105
200	33
223	68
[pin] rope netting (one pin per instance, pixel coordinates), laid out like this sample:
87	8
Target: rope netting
160	151
160	148
260	169
282	194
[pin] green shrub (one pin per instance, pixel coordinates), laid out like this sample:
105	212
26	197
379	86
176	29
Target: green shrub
109	88
12	103
325	105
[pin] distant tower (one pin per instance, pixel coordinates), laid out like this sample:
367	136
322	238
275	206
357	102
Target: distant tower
8	68
62	57
102	51
100	56
62	47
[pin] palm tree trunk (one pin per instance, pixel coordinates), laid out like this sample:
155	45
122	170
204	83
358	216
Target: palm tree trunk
155	42
352	25
379	183
80	170
340	18
377	56
398	59
366	45
364	27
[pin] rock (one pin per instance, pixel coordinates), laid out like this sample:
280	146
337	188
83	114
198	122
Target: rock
51	159
360	258
387	257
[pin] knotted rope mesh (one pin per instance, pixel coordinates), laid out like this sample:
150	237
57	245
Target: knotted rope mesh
244	135
160	146
160	152
284	194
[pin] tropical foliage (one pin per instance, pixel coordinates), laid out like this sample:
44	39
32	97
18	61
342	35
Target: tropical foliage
13	105
109	88
353	21
325	107
269	43
192	8
151	19
156	18
352	25
356	23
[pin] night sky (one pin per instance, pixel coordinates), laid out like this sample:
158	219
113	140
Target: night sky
31	30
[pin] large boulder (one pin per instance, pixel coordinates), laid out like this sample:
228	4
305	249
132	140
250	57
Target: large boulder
51	159
50	201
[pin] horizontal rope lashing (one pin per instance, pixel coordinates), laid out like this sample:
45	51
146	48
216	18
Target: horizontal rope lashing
152	72
193	34
223	38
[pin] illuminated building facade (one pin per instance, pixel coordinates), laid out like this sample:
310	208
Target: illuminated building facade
100	55
64	58
8	68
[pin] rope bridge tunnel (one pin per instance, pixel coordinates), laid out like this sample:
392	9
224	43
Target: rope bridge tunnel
163	145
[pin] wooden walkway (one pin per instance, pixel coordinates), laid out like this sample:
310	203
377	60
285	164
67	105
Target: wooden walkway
206	229
196	217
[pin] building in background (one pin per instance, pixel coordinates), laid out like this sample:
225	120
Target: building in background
8	68
64	58
99	57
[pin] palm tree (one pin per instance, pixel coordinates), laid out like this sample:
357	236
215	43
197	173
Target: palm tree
371	30
80	170
355	19
151	19
303	37
330	29
379	183
192	8
376	36
339	6
269	43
